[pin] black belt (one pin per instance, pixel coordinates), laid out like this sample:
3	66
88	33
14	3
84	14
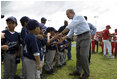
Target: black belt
83	33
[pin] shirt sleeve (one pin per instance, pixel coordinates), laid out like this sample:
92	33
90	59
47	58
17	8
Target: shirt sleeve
71	32
36	54
73	24
92	29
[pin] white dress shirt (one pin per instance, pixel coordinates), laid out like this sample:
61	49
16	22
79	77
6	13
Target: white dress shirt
77	26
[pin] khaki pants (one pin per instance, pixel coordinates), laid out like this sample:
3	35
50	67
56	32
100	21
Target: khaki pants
82	53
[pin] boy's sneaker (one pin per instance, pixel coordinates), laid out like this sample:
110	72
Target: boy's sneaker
50	72
59	66
111	57
64	63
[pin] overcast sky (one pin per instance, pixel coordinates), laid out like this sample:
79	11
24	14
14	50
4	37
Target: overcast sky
100	12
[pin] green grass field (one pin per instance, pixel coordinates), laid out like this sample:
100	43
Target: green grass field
100	68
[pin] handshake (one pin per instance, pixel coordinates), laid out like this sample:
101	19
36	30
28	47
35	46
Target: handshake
60	37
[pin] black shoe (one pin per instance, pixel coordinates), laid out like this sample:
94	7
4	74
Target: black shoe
42	75
50	72
53	70
64	63
74	74
84	76
17	77
59	66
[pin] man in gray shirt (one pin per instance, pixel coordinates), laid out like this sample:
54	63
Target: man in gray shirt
93	32
80	27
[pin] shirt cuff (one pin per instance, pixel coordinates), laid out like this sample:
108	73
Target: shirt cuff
36	54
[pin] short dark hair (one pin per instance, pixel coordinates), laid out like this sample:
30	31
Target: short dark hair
85	17
71	11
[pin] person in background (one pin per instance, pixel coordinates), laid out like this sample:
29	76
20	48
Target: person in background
96	41
106	40
69	39
24	20
43	22
100	40
114	42
93	32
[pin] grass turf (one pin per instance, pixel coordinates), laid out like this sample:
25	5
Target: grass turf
100	68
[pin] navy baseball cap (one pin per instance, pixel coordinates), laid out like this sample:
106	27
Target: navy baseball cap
24	19
43	19
48	29
52	29
32	24
12	18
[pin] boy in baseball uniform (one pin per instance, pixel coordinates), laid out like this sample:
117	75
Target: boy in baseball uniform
12	48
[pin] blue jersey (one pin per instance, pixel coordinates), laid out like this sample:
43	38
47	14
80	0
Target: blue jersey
61	46
52	46
66	42
40	45
44	41
12	40
31	46
24	32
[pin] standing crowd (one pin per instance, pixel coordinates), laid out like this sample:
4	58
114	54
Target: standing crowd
35	45
107	41
42	48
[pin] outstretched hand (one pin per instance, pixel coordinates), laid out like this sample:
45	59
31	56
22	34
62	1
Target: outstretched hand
58	36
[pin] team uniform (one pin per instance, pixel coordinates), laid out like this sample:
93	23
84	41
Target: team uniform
69	39
24	32
96	40
107	44
32	46
101	41
12	39
65	51
43	51
50	55
61	55
93	44
114	43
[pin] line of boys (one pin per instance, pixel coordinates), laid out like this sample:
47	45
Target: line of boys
29	46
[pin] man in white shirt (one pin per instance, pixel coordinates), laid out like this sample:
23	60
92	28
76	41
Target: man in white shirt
80	27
